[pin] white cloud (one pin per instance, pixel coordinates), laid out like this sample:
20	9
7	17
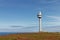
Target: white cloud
48	1
55	21
57	18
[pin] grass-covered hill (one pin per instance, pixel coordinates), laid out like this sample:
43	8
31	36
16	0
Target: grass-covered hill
32	36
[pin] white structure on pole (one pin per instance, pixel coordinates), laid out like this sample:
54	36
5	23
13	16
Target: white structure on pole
40	23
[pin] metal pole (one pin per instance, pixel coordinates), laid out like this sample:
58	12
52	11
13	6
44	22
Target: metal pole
39	24
40	29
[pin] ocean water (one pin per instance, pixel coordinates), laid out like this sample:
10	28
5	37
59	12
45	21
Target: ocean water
6	33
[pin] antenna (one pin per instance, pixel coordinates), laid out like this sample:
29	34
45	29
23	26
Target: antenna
40	24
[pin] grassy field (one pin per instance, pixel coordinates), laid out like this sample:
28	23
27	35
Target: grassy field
32	36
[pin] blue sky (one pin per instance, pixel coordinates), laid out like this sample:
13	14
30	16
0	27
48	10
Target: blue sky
23	13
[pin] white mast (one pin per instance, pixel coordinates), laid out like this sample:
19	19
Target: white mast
40	23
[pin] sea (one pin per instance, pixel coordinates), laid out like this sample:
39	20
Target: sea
6	33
